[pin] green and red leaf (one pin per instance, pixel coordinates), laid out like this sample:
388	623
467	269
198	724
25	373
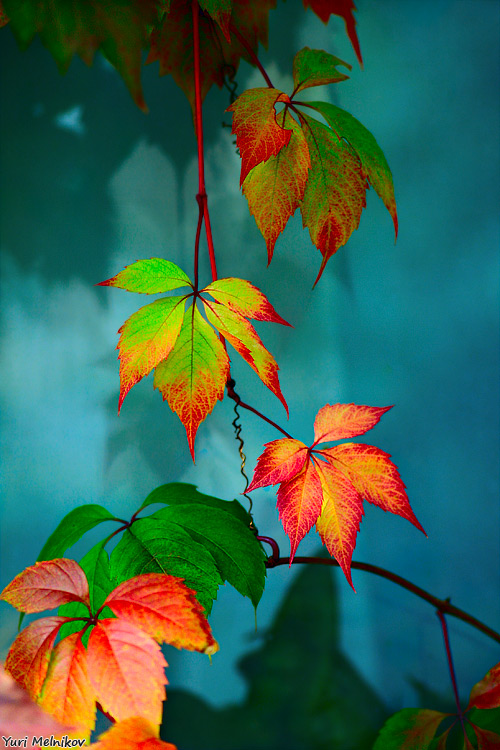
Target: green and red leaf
409	729
47	585
244	298
315	67
486	740
149	276
486	693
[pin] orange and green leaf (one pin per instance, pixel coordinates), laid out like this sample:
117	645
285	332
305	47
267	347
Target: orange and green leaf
126	668
486	693
132	734
315	67
409	729
486	740
244	298
47	585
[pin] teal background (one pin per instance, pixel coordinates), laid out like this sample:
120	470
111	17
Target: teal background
90	184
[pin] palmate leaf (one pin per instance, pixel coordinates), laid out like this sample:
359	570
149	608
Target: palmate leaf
178	493
326	487
409	729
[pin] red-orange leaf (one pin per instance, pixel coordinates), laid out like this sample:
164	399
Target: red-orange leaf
258	135
132	734
126	668
299	505
164	608
486	693
28	657
244	298
340	421
343	8
275	188
281	461
67	693
47	585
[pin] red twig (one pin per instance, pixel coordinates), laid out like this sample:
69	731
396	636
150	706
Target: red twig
232	394
451	667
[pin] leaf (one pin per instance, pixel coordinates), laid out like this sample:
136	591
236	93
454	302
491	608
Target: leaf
409	729
486	740
315	67
220	11
335	192
67	693
132	734
327	487
345	420
46	585
72	527
126	668
244	298
367	150
4	19
275	188
147	338
177	493
172	43
486	693
151	276
242	335
164	608
119	30
193	377
28	657
156	546
258	135
343	8
238	555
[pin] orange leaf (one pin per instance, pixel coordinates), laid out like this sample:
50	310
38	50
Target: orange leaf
339	421
67	693
281	460
486	693
299	505
164	608
28	657
126	668
46	585
132	734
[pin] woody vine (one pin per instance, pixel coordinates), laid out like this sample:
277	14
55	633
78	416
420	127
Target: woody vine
158	584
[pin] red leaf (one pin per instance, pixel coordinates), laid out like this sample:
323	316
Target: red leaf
486	740
132	734
47	585
345	420
164	608
281	460
486	693
343	8
28	657
299	505
258	135
67	693
126	668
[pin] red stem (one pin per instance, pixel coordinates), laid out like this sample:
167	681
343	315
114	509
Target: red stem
451	667
251	54
232	394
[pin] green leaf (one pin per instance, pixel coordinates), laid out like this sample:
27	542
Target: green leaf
409	729
156	546
177	493
315	67
239	556
367	149
151	276
73	526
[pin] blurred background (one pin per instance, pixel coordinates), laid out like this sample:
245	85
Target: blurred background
90	184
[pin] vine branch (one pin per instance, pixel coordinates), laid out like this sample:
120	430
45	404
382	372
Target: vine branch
232	394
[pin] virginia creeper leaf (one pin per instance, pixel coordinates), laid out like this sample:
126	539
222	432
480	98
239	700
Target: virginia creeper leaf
46	585
220	11
275	188
195	373
243	336
299	505
4	19
343	8
132	734
367	150
486	740
119	30
126	669
147	338
72	527
28	657
238	555
335	192
486	693
67	692
315	67
244	298
178	493
409	729
164	608
155	546
150	276
281	460
258	135
345	420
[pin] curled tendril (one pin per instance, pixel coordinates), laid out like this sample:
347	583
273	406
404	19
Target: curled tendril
237	433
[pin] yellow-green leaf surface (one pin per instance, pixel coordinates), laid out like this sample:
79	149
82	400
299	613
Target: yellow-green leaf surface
194	375
335	192
149	276
315	67
368	151
275	188
243	297
409	729
147	338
